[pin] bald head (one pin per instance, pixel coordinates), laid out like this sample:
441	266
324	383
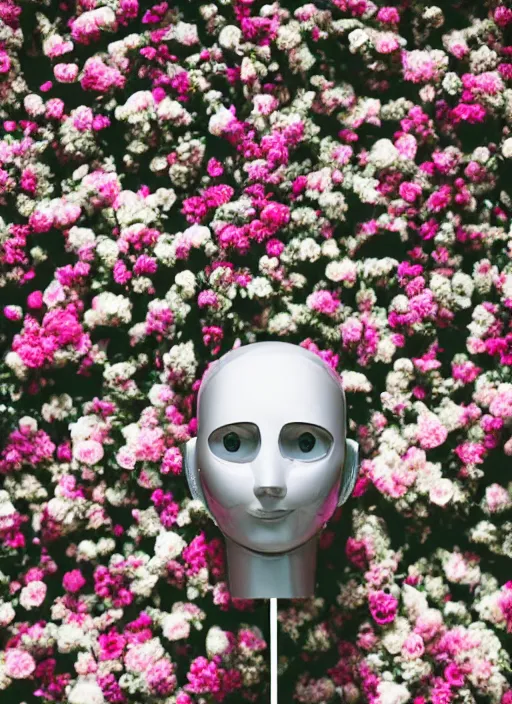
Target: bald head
275	352
285	381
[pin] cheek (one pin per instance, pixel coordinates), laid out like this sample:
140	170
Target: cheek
227	486
330	504
313	486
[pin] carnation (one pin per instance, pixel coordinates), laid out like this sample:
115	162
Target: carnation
178	185
86	691
168	545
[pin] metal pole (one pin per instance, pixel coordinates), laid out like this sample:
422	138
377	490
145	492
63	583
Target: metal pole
273	650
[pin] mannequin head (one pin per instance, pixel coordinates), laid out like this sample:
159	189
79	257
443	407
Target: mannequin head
271	461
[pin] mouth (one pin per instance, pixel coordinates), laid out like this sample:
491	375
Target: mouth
270	515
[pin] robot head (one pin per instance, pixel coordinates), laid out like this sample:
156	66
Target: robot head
271	460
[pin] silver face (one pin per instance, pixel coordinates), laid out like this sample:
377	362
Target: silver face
271	445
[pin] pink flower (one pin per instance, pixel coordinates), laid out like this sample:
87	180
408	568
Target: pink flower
413	647
505	604
33	594
388	15
35	300
214	168
431	432
386	42
13	313
65	73
501	405
324	302
138	658
54	294
88	451
126	457
175	626
19	664
471	452
383	607
112	645
409	191
351	331
161	678
276	215
453	675
73	581
429	624
497	498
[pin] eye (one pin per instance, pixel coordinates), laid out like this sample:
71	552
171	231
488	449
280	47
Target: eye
236	442
304	441
231	441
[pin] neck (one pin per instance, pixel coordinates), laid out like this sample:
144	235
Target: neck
257	575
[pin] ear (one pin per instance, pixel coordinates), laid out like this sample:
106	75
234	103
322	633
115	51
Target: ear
350	468
192	474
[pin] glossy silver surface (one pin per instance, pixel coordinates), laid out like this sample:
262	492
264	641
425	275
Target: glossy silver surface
271	462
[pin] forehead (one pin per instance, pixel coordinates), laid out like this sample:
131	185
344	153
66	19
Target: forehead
271	390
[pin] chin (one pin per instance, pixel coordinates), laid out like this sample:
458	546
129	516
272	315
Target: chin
284	539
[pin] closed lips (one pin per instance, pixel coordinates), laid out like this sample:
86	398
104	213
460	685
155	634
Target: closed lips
270	514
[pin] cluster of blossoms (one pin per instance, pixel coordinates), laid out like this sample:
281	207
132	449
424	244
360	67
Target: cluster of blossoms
180	179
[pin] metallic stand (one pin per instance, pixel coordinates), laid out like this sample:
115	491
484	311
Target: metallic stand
273	651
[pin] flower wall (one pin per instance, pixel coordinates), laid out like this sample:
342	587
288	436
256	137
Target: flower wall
180	179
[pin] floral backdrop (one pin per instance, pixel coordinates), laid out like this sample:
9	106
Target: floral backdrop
180	179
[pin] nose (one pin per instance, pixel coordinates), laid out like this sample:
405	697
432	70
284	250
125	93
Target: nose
277	492
269	474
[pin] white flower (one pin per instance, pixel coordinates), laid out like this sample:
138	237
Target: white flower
28	424
173	111
6	507
107	250
344	270
507	286
463	287
216	641
415	602
70	637
506	148
357	38
384	154
259	286
355	381
7	613
441	492
160	395
58	508
186	280
230	36
54	294
34	105
220	121
392	693
33	594
15	363
86	550
330	248
79	237
58	408
175	626
107	308
186	33
309	250
288	36
168	545
86	691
